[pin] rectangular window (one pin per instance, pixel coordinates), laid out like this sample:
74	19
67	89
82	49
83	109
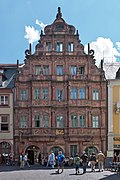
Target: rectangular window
82	121
82	93
73	70
81	70
95	94
4	124
46	70
38	70
60	121
37	120
48	46
73	93
45	121
36	93
74	121
45	93
3	100
59	47
23	121
23	94
59	70
95	121
59	94
70	47
73	150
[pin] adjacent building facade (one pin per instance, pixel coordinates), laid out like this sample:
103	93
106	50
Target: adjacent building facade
7	75
114	113
60	96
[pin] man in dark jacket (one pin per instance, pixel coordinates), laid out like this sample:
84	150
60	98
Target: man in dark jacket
84	159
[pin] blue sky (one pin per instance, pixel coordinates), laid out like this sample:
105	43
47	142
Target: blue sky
98	23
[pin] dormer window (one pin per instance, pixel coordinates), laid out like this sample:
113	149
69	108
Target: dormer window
70	47
0	81
59	47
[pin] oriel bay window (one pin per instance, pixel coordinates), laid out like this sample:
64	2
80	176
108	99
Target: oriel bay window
60	121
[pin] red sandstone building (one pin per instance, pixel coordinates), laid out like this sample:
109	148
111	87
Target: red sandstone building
60	96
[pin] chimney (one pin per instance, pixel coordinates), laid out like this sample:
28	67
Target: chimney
102	64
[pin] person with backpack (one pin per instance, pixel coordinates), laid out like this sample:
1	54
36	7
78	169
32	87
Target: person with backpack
77	163
21	160
84	160
101	159
60	159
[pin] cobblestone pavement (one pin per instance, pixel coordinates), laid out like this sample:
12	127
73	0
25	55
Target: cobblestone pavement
38	173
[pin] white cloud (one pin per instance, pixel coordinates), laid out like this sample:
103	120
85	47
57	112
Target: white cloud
104	49
32	35
41	24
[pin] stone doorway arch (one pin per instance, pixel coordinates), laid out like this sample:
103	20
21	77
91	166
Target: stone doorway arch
56	149
33	154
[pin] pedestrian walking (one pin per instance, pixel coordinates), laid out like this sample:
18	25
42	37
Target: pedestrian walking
77	163
101	160
93	161
21	160
60	159
84	158
26	160
51	159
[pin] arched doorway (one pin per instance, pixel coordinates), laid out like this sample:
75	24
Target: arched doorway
91	149
56	149
5	150
33	154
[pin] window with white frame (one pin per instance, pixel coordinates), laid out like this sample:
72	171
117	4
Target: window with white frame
95	121
23	121
45	121
59	46
59	94
73	70
74	93
60	70
82	93
82	121
60	121
70	47
95	94
48	46
4	123
23	94
37	93
3	100
37	120
44	93
74	121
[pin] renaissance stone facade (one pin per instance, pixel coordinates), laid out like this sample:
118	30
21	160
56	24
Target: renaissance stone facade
60	96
